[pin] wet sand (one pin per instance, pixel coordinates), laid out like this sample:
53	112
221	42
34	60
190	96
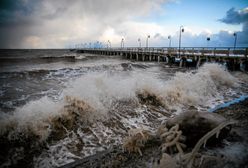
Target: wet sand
231	146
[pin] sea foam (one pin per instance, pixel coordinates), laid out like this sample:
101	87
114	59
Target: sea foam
92	97
102	90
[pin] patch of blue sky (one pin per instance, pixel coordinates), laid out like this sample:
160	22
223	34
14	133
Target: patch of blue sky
199	13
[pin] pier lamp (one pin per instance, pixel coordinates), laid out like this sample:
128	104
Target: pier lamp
169	37
147	40
180	34
208	39
235	40
97	44
139	41
122	43
109	44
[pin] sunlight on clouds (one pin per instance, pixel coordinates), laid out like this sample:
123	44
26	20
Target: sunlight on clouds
111	35
33	42
62	23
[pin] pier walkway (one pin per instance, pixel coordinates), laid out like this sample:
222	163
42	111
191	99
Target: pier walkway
186	56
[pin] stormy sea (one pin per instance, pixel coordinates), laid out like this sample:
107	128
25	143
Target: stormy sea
57	106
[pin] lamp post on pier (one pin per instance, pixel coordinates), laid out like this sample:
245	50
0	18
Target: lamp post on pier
139	41
97	45
208	39
109	44
169	37
235	40
147	41
122	43
180	33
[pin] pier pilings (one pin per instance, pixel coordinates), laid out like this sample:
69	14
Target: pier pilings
234	59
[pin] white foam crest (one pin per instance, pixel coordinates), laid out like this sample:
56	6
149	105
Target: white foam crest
101	90
33	117
219	74
196	88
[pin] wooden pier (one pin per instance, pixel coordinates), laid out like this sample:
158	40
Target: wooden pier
235	59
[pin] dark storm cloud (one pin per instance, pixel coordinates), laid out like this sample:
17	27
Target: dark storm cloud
54	23
235	17
57	23
16	16
12	10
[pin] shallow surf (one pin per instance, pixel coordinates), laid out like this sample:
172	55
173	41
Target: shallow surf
90	105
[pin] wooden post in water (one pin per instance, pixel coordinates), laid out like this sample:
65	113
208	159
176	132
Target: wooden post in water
246	53
198	62
202	52
181	62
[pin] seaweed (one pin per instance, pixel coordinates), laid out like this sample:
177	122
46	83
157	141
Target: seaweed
171	139
136	140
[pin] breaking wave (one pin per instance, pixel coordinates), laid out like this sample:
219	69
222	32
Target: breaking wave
110	99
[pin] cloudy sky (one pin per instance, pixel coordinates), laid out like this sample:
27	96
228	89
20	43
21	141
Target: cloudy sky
64	23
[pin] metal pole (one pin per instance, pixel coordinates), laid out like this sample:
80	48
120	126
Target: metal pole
181	30
208	39
235	40
169	37
147	41
122	43
139	42
109	44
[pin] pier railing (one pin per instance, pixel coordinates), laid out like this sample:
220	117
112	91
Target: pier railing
184	51
234	58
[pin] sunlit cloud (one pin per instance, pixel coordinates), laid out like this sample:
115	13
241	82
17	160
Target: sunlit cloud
62	23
